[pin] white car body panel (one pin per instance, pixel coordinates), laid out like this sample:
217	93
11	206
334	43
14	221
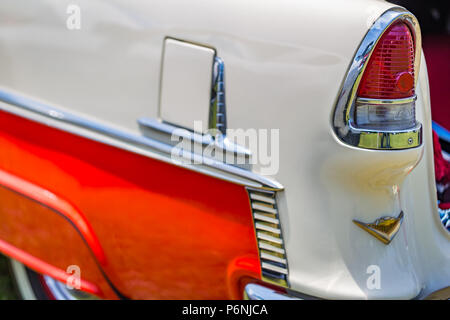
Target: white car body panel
285	61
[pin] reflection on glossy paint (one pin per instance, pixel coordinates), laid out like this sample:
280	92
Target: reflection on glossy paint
166	232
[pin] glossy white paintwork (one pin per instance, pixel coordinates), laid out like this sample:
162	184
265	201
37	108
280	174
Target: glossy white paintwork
285	61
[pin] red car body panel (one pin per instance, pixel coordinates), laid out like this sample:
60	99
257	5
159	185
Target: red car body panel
164	232
45	241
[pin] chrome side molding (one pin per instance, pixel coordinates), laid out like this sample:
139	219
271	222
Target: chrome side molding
202	144
49	115
254	291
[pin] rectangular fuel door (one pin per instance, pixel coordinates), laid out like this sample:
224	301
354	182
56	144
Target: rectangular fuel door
186	78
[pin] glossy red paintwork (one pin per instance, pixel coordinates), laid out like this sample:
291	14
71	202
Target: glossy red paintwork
46	242
166	232
241	271
46	198
45	268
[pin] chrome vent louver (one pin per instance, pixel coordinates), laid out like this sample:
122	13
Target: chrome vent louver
269	236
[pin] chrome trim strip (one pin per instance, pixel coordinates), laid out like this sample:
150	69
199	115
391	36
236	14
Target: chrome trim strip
266	265
342	117
254	291
386	140
263	236
262	207
266	228
262	198
272	257
26	107
170	134
266	218
203	139
267	246
383	101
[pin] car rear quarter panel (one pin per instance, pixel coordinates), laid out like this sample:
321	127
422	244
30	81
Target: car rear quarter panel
285	62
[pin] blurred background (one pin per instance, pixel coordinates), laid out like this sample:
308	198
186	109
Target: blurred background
7	291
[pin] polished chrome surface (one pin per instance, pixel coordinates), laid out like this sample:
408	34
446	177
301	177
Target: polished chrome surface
385	140
254	291
214	139
384	229
171	135
343	123
217	112
387	101
103	133
61	292
269	237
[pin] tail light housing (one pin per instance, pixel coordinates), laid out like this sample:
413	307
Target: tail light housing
376	106
385	98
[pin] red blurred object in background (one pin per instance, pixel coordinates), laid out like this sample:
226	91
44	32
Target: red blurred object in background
442	174
437	54
441	166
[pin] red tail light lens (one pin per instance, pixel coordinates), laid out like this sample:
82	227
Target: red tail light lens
388	81
375	108
390	71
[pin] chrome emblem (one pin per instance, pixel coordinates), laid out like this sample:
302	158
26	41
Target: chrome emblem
384	229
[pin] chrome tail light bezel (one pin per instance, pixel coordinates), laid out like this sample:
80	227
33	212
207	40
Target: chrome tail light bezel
343	121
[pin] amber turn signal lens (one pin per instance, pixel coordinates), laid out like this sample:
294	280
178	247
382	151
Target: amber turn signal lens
404	82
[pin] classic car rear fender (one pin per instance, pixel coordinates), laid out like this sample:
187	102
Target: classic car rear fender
212	240
50	236
182	227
